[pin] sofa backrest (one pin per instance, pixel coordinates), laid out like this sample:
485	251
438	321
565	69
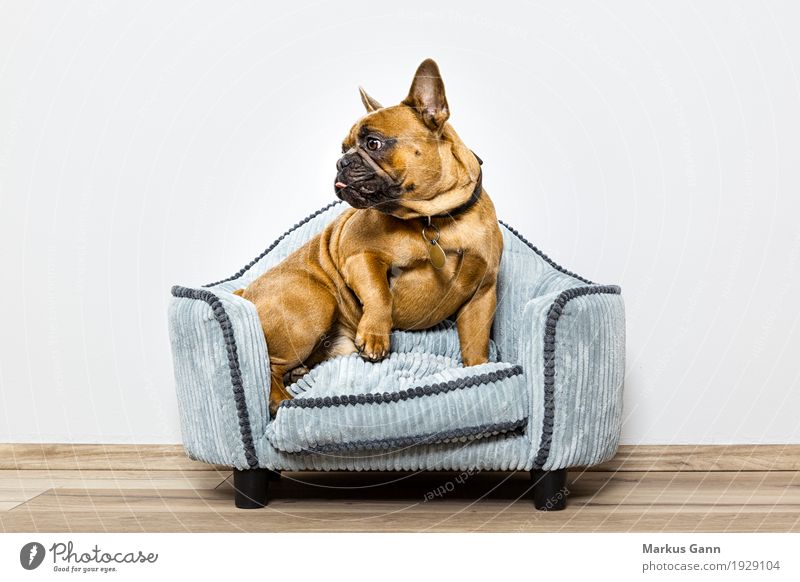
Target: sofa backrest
282	247
525	273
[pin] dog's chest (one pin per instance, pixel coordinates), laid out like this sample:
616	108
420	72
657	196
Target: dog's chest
423	266
423	295
413	277
414	269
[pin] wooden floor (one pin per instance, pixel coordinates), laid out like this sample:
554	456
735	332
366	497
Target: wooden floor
202	501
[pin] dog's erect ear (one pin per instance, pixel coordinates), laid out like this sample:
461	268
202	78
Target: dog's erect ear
369	103
427	97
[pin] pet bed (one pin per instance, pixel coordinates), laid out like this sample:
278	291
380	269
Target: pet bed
549	399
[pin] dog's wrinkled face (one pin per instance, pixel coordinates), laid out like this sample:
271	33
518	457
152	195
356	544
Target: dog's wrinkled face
361	179
382	153
396	158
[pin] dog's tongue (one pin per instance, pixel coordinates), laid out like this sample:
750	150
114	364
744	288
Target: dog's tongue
340	185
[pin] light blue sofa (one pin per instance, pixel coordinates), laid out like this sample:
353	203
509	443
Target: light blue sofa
552	400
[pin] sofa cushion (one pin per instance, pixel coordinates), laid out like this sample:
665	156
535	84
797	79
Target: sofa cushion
410	398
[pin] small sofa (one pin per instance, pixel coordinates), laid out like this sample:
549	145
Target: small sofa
549	399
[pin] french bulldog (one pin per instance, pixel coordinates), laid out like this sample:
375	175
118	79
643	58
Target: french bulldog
420	244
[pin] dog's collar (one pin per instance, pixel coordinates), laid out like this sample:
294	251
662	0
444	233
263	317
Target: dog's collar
471	201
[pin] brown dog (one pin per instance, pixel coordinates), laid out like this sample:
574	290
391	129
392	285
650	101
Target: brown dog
420	244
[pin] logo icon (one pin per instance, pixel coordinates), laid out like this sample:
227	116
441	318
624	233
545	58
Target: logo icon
31	555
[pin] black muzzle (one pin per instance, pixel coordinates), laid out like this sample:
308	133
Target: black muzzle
362	183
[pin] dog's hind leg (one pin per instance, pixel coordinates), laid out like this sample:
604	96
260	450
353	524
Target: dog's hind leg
293	328
295	374
277	389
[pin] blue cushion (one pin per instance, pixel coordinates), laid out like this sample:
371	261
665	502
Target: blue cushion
420	394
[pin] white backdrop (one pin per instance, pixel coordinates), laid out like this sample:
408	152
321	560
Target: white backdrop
650	144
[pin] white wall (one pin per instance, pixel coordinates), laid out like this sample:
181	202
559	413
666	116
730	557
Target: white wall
651	144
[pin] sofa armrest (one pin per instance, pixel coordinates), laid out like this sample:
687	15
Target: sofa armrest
221	371
573	352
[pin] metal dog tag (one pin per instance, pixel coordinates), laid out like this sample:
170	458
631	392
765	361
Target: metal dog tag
436	255
435	252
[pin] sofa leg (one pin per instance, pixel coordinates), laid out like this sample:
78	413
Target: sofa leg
251	486
550	489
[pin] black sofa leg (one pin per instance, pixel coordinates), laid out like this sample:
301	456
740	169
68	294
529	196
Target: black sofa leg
251	486
550	489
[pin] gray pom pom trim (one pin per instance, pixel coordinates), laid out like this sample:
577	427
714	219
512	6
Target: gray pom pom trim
553	315
386	397
233	364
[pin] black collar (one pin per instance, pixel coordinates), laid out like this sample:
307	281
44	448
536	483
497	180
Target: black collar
474	197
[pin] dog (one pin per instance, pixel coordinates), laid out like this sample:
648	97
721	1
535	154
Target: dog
420	244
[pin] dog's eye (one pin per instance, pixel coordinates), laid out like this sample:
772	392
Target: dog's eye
374	144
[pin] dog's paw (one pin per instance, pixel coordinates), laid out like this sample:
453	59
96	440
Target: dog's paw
277	393
273	407
372	346
294	375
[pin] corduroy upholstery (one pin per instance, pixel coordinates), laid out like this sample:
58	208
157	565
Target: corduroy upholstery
565	333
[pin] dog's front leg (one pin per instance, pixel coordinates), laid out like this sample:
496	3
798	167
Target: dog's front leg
367	274
474	323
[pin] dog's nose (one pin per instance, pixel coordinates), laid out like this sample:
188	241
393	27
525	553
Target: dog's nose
342	163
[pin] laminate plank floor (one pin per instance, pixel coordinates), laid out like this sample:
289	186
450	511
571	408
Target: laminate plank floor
202	501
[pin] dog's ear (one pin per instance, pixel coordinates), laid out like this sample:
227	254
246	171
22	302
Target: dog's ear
369	103
427	97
